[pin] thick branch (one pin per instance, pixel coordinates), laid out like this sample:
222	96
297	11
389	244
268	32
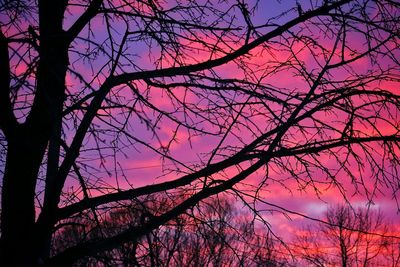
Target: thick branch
70	255
241	156
317	147
149	189
84	19
184	70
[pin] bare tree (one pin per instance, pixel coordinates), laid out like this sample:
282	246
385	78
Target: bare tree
349	237
84	84
216	235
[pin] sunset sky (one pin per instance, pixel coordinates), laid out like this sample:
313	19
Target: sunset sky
205	133
142	166
295	103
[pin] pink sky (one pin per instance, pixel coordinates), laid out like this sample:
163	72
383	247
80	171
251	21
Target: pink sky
143	166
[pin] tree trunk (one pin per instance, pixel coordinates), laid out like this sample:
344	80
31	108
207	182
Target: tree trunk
24	242
24	156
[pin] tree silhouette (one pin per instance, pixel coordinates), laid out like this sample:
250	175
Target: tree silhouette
349	237
216	235
218	92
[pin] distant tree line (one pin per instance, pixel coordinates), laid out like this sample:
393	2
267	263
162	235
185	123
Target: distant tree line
221	234
349	237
